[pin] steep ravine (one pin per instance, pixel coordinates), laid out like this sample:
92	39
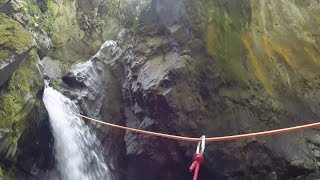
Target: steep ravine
242	70
213	67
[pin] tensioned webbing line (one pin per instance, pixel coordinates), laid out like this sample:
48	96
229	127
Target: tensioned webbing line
210	139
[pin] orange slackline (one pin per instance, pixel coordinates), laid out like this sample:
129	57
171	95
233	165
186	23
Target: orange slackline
212	139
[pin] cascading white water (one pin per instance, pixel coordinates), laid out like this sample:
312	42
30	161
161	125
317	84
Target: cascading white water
78	151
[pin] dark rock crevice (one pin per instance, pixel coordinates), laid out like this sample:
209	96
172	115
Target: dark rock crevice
37	147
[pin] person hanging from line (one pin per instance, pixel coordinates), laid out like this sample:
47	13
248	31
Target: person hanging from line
46	79
45	76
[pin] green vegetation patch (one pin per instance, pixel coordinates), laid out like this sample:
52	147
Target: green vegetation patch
18	100
3	176
20	89
13	37
225	22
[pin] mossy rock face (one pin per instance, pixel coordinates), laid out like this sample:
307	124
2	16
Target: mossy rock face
254	45
18	100
3	176
78	30
14	39
66	30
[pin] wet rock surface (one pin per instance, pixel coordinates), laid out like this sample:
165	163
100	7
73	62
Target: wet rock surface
93	86
35	157
53	68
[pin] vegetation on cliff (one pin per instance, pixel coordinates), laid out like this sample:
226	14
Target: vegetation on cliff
13	37
3	176
17	101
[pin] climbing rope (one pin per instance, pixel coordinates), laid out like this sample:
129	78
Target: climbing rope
211	139
198	158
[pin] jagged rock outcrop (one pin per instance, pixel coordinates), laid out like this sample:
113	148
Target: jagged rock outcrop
54	69
93	86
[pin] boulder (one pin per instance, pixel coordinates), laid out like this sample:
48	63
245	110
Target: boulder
53	68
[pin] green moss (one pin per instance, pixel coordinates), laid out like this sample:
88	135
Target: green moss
56	83
49	19
12	143
53	7
13	36
4	54
19	86
34	9
10	106
224	25
3	176
42	21
18	100
303	3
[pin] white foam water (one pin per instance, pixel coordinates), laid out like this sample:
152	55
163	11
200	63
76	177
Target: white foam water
77	150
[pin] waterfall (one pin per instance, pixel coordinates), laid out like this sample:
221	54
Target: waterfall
78	152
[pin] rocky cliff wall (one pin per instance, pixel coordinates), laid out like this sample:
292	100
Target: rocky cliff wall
220	68
181	67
